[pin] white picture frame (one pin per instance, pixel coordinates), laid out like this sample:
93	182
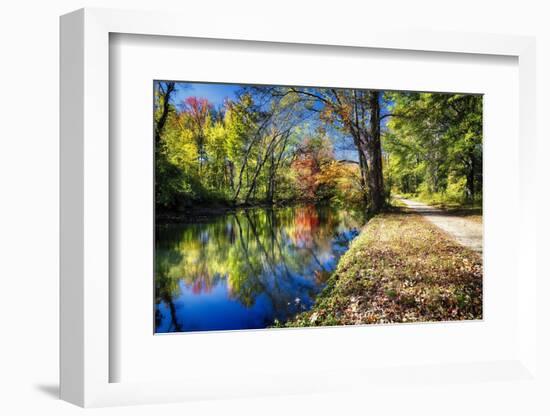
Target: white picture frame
85	353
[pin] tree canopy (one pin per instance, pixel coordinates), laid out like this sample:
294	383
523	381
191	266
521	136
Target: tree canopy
268	144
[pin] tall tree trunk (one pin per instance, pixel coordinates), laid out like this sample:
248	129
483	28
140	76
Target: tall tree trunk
470	177
170	87
360	143
259	166
470	185
231	173
245	160
374	155
200	145
271	179
364	169
363	166
275	163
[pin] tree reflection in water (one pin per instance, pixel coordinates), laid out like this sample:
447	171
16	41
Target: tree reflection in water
247	269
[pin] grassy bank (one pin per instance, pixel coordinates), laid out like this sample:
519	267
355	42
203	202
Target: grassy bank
400	269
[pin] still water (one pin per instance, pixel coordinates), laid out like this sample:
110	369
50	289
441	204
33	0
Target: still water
247	269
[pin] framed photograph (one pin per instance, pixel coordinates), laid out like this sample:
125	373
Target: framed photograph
282	212
260	190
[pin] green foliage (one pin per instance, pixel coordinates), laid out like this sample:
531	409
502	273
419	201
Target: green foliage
435	145
260	147
243	154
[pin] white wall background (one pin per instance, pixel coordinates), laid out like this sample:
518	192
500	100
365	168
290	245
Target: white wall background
29	205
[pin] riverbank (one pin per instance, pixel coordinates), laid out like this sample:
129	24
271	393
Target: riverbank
400	268
201	213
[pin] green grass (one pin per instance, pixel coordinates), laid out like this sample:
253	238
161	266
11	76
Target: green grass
400	269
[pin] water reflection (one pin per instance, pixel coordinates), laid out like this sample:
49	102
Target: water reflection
246	269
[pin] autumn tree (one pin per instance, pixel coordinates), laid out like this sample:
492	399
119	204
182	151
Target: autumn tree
196	112
270	144
358	113
312	157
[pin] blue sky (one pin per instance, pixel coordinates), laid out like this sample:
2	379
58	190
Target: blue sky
215	93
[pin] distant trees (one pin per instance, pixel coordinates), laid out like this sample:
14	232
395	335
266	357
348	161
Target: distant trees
196	118
435	144
312	158
233	155
266	146
274	145
358	114
169	179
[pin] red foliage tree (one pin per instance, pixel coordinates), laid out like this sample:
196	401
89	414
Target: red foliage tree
198	109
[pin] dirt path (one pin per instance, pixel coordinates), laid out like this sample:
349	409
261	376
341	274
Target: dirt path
466	232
